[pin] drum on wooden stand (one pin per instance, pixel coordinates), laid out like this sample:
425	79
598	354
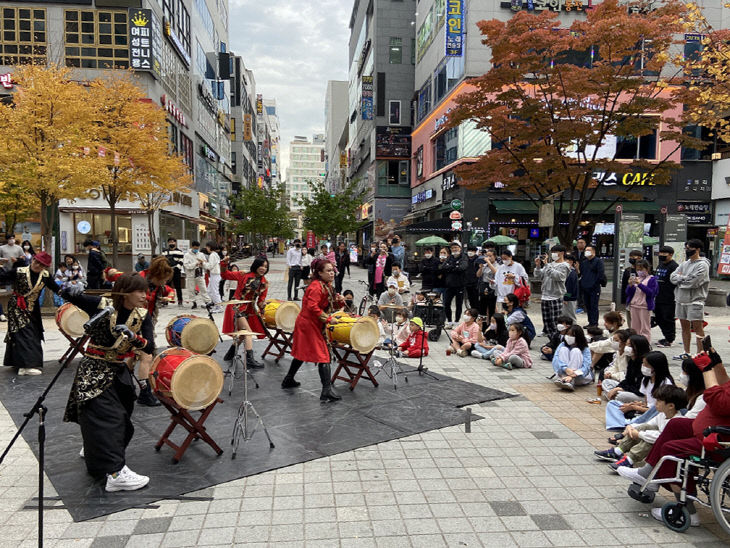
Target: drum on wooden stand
361	334
70	320
281	314
192	380
193	333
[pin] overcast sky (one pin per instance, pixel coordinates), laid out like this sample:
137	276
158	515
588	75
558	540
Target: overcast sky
293	48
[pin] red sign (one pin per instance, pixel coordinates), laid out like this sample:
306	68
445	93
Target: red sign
6	80
311	240
456	225
173	110
455	216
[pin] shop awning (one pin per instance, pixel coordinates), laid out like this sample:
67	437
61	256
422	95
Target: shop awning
593	208
436	225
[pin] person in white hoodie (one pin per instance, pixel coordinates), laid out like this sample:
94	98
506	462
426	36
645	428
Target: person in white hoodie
692	279
213	266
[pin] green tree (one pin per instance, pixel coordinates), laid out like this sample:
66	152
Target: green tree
261	213
330	215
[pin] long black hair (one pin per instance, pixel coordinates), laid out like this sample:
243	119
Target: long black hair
696	384
501	335
658	361
641	347
257	262
580	337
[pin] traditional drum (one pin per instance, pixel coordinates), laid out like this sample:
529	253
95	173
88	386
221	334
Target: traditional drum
70	320
192	380
361	334
197	334
281	314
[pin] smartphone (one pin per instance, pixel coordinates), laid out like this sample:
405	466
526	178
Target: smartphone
706	343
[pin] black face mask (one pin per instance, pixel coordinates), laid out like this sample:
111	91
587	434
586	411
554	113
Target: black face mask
171	246
664	258
348	302
690	251
632	261
505	306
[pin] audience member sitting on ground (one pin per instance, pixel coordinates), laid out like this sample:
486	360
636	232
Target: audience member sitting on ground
616	371
399	329
599	349
493	340
517	352
563	324
465	335
349	307
596	335
694	383
416	342
639	439
572	360
627	389
375	314
516	314
391	296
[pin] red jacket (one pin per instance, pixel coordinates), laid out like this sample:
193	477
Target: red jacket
245	292
414	343
308	341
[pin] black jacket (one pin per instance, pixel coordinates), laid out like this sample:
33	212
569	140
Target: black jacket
471	271
95	264
666	288
628	272
592	274
454	270
343	262
633	378
429	269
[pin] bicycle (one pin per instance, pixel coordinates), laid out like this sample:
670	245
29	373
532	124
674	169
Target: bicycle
366	301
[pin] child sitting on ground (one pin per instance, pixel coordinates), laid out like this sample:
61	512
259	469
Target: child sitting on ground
547	351
572	361
516	353
398	329
493	340
595	335
616	371
613	322
416	342
638	439
376	315
465	335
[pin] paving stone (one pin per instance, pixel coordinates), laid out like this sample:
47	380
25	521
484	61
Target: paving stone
544	435
507	508
550	522
116	541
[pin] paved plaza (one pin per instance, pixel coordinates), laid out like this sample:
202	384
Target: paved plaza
524	476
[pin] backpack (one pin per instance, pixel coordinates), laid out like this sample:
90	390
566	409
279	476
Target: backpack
522	292
529	328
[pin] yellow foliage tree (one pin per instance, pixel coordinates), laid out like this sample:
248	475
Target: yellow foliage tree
45	129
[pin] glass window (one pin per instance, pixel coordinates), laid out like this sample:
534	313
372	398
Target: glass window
445	148
394	113
105	45
641	148
26	46
424	100
101	230
395	55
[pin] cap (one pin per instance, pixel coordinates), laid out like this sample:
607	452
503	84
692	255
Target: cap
43	258
392	283
418	321
455	242
140	255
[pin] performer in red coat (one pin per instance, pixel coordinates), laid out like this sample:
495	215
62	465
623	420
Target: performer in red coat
309	341
252	286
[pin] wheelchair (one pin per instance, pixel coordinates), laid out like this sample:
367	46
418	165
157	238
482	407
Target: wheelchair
712	477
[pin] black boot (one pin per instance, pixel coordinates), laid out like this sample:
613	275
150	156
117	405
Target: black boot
325	375
146	397
231	352
195	305
289	381
251	362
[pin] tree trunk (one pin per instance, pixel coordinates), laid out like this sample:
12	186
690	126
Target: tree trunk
45	225
113	227
151	228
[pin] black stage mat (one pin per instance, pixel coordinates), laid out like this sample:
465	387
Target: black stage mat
302	427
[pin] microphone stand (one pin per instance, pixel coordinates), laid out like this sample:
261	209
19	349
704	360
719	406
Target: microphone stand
41	410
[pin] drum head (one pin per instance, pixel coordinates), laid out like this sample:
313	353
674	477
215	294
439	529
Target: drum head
200	336
196	383
286	316
364	335
72	319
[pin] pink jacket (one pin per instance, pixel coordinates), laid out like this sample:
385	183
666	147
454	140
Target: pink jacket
469	332
519	348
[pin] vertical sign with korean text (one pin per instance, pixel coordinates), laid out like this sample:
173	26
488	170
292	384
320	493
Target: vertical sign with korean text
454	28
247	127
140	39
367	98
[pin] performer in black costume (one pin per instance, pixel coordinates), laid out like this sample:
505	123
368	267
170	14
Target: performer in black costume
102	394
25	327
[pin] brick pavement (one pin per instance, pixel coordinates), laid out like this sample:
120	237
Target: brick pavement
524	476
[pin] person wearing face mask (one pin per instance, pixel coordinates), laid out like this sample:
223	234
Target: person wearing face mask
616	371
593	277
428	267
368	262
487	290
493	340
664	304
141	264
640	295
440	280
383	269
564	323
400	279
399	252
516	314
572	360
572	289
28	251
507	275
349	307
517	351
194	264
635	255
553	274
416	344
399	329
465	335
95	264
692	281
454	272
391	296
628	388
602	349
471	280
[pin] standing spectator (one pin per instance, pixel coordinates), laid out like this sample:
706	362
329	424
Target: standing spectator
213	266
692	279
640	295
572	290
342	263
95	265
368	262
471	280
175	259
383	269
194	264
664	305
634	256
399	252
28	253
428	268
307	256
401	280
592	278
487	291
579	254
141	264
507	275
294	262
454	269
553	274
439	285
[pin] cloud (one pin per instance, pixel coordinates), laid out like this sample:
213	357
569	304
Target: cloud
293	48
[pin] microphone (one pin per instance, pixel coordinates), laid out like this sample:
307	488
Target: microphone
104	313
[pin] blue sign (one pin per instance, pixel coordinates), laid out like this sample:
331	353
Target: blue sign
454	28
367	98
534	233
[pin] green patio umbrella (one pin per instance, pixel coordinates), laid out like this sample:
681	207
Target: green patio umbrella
650	240
432	240
502	240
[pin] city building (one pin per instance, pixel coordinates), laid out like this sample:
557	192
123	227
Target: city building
177	48
380	90
336	126
272	118
243	126
306	166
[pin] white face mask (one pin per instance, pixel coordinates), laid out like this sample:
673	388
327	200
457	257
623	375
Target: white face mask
399	319
428	255
26	247
589	254
466	318
493	326
443	256
391	291
507	262
560	327
396	273
615	345
456	253
470	253
647	371
628	351
554	256
569	340
684	379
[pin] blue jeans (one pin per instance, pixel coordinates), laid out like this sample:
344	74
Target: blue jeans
488	352
615	418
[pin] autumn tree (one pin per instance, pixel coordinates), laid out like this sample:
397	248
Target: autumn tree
555	99
329	215
261	213
15	205
44	131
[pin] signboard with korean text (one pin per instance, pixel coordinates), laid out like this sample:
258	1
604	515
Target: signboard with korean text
541	5
367	98
247	127
259	103
675	234
454	28
393	142
141	54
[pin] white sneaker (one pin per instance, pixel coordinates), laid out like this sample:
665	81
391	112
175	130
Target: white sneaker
476	354
3	318
126	480
81	453
31	371
694	519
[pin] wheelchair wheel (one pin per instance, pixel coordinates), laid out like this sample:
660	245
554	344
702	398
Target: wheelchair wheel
720	495
676	517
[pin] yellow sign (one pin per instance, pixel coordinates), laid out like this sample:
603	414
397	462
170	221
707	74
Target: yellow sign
247	128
